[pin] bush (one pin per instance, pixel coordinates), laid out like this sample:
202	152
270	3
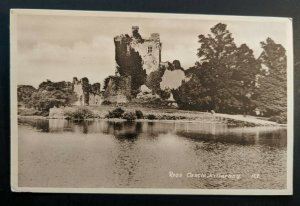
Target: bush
79	113
30	112
237	123
129	116
106	102
281	119
170	117
139	114
116	113
151	116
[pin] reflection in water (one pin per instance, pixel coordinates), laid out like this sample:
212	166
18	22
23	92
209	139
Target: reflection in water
272	139
269	136
140	154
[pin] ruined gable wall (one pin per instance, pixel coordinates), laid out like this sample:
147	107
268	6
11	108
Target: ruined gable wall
86	93
135	58
149	50
95	99
118	89
79	93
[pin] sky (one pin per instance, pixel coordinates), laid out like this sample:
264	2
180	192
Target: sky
59	47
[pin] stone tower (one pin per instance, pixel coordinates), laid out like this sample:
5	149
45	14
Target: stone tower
149	49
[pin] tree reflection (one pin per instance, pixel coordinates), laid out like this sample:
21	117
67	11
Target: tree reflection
124	130
275	138
131	130
42	125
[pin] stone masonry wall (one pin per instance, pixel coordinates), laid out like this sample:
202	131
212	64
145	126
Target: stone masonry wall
150	52
118	89
149	49
86	94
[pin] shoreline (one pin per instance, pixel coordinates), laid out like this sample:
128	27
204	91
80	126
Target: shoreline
170	115
267	123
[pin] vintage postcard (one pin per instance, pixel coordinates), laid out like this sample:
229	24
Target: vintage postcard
148	103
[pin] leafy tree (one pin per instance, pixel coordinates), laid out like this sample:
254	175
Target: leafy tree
244	79
129	63
50	94
193	95
154	78
223	79
211	73
24	93
95	88
217	51
272	84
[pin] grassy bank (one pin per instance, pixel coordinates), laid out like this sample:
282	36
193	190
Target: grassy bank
138	113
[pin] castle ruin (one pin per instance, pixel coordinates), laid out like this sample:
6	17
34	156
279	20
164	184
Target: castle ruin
87	94
149	49
136	58
138	62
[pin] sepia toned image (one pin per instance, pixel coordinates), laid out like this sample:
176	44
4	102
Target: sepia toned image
115	102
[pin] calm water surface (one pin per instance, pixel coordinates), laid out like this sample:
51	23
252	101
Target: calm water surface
99	153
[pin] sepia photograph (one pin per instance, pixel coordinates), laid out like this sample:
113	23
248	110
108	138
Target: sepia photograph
151	103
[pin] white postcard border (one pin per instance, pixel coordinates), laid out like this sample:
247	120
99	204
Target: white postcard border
13	105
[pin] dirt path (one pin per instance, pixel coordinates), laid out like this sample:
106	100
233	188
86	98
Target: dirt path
247	118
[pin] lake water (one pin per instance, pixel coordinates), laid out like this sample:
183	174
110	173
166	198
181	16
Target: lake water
99	153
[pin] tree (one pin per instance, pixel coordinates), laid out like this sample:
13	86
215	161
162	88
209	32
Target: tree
216	63
154	78
24	93
224	78
50	94
272	84
129	63
244	78
95	88
193	95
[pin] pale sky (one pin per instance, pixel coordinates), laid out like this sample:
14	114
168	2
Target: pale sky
60	47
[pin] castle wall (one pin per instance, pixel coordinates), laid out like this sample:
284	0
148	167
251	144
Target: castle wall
118	90
95	99
150	52
79	92
84	90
